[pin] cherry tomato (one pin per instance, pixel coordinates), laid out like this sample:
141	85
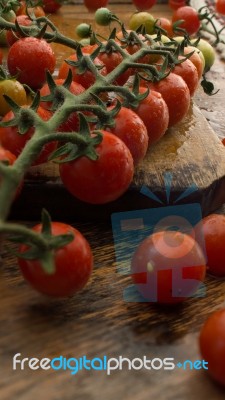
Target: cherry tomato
142	5
86	79
104	180
130	128
165	24
212	345
189	15
154	113
12	36
37	10
73	265
29	58
189	73
14	90
214	234
220	6
93	5
132	47
166	259
11	140
142	18
207	51
196	58
72	122
111	59
223	141
1	56
51	6
6	155
176	95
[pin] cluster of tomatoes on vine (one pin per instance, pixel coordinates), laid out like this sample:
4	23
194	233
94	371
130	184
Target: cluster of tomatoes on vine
137	126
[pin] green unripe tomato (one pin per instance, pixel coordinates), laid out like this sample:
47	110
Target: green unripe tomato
83	30
207	51
142	18
103	16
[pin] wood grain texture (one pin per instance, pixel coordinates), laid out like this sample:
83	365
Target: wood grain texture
98	322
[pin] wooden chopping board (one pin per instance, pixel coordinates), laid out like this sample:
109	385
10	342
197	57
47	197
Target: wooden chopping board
190	151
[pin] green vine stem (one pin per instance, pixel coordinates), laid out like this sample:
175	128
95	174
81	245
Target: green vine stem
46	131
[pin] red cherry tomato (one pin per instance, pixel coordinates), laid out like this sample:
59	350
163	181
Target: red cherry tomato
189	15
142	5
72	122
162	263
93	5
189	73
37	10
29	58
212	345
165	24
154	113
214	234
73	265
12	36
111	60
87	78
51	6
7	156
11	140
196	59
130	128
104	180
1	56
176	95
220	6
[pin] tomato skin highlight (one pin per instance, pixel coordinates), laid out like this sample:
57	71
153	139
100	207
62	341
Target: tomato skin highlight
103	180
130	128
159	257
73	265
212	345
29	58
214	234
176	95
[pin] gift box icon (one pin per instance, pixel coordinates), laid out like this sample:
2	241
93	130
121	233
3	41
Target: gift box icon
132	227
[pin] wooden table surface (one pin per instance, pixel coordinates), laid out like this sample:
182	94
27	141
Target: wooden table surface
97	321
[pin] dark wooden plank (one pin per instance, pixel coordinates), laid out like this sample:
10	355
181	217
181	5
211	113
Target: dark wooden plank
98	322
